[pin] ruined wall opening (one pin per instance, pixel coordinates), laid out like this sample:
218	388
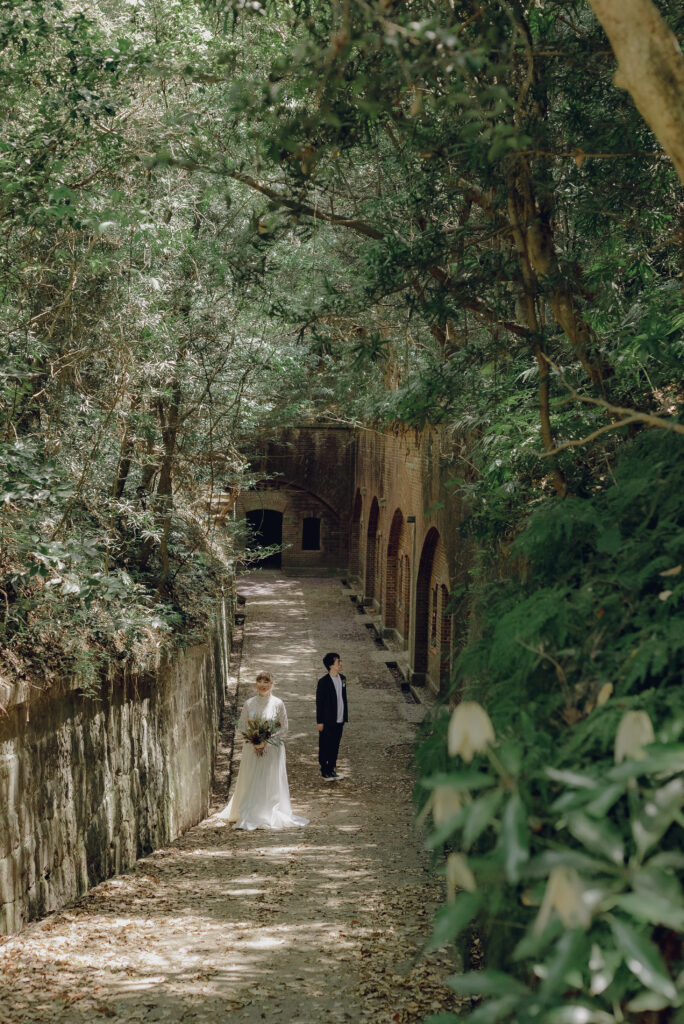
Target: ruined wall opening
266	530
392	591
371	552
425	610
311	533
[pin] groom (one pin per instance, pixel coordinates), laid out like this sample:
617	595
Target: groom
331	714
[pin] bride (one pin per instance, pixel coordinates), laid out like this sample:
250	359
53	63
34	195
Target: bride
262	795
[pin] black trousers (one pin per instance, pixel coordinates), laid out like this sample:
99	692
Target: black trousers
328	746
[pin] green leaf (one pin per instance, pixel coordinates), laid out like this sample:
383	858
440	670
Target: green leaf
440	835
486	983
606	799
467	780
582	862
569	955
654	880
603	965
642	958
609	541
667	859
598	836
569	778
533	944
514	838
453	918
660	757
494	1010
577	1013
649	1001
479	815
652	909
658	813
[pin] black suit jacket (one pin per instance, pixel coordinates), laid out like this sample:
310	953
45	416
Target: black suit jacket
326	700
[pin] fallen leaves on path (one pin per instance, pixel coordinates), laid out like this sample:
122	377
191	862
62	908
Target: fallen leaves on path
323	925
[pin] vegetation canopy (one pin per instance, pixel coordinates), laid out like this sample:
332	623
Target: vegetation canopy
225	216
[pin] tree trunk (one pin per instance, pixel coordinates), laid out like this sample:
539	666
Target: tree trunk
537	242
650	68
528	302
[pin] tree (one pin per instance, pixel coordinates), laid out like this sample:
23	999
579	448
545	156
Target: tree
650	68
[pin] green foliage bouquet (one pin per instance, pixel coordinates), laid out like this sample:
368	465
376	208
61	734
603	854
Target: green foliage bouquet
260	731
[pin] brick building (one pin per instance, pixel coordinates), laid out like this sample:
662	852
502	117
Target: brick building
377	508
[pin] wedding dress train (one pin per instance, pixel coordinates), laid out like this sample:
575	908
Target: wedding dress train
262	795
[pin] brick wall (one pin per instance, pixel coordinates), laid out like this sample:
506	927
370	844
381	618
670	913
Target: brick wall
388	519
405	547
307	473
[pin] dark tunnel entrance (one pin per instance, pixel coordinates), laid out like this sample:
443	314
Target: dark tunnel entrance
266	530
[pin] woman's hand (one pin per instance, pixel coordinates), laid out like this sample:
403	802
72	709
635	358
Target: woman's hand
259	749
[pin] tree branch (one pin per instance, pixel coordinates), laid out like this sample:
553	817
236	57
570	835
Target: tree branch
628	416
650	68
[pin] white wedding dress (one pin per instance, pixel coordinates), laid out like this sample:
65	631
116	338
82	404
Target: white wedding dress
262	795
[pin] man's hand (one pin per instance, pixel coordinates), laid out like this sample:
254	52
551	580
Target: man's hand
320	727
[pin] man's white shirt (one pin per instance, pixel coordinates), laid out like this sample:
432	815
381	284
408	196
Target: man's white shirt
337	683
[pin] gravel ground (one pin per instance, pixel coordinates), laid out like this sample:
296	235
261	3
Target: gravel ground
321	924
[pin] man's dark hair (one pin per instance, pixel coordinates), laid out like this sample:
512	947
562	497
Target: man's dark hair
329	659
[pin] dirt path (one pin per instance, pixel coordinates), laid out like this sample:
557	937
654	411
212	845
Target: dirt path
325	923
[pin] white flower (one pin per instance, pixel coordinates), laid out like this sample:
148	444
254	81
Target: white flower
445	803
458	875
470	730
566	895
634	732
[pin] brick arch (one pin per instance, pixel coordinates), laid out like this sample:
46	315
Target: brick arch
265	530
355	536
280	491
392	595
371	551
423	623
296	505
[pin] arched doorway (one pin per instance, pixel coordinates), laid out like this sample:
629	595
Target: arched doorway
371	551
425	604
392	594
265	530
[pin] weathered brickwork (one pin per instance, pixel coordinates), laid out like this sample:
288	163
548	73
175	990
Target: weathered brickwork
306	473
387	520
405	548
88	786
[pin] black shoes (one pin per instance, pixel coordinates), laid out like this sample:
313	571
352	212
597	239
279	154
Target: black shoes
330	776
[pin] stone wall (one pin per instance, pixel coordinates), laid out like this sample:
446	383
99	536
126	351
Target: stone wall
88	786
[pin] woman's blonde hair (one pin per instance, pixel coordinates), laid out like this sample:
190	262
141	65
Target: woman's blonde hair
265	677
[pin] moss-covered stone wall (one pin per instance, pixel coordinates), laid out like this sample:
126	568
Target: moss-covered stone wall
89	785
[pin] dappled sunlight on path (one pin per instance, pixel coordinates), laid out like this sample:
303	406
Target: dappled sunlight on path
323	923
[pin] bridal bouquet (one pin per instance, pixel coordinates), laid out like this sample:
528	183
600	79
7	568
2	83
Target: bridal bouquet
260	731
